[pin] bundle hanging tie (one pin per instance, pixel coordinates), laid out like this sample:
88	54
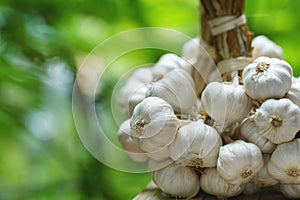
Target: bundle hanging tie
223	24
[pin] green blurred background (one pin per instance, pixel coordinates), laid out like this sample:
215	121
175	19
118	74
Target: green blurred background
42	43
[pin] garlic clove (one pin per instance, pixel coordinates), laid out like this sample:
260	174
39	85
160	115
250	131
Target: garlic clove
250	133
177	181
278	120
239	161
196	145
263	46
264	75
212	183
154	124
226	103
263	177
290	191
284	164
130	145
177	88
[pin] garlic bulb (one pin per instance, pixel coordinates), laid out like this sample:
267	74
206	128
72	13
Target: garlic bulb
177	181
239	162
191	50
250	133
134	88
250	188
154	125
284	164
226	103
196	145
267	78
130	145
290	191
294	93
263	46
167	63
212	183
263	177
177	88
278	120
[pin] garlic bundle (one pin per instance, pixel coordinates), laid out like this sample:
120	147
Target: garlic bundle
196	145
167	63
284	164
263	177
294	93
154	125
267	78
239	162
278	120
263	46
250	133
177	88
177	181
226	103
133	91
212	183
130	145
290	191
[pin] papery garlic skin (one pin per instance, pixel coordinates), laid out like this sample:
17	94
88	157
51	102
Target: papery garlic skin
226	103
294	93
130	145
196	145
133	91
284	164
212	183
290	191
239	162
154	125
263	177
167	63
278	120
177	88
263	46
267	78
249	133
177	181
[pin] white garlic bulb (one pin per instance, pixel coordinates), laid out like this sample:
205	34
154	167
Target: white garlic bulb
154	125
226	103
263	46
267	78
191	50
284	164
278	120
212	183
249	133
167	63
177	181
134	89
294	93
177	88
290	191
239	161
263	177
130	145
196	145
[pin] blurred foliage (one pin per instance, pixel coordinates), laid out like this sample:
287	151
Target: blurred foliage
42	42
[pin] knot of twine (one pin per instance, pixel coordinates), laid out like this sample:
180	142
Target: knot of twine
223	24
